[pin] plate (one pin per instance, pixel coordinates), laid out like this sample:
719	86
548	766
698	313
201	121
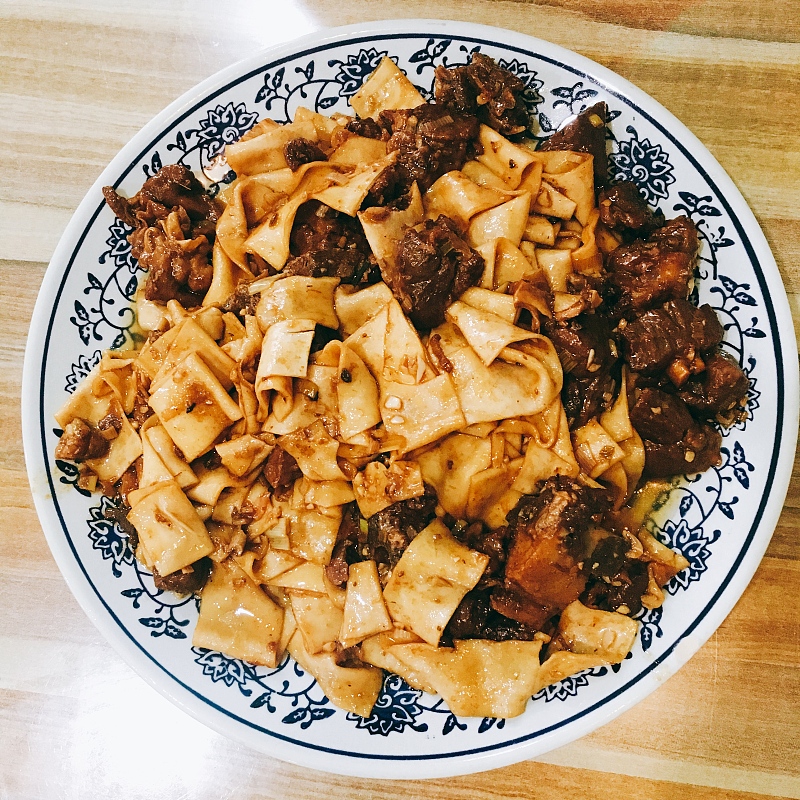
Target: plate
721	521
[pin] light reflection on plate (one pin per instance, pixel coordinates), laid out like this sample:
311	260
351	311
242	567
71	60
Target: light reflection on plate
722	521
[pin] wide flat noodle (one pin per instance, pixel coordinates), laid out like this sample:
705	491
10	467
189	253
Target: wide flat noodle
510	265
171	533
298	297
356	150
264	153
364	612
552	203
449	467
504	158
354	308
605	634
492	302
498	391
226	276
243	454
285	350
315	451
476	677
427	411
387	88
354	690
563	663
490	497
270	239
324	126
318	619
487	333
458	197
159	456
430	580
507	220
251	199
357	395
388	344
192	338
384	226
238	618
377	486
312	536
347	189
573	175
377	650
193	406
316	399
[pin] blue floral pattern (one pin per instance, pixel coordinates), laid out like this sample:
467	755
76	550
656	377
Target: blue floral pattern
569	686
81	368
645	163
397	708
356	69
700	506
278	691
108	538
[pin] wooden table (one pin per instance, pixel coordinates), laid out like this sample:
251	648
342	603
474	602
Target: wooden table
77	80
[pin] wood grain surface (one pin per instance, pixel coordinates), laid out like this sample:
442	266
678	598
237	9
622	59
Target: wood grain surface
77	80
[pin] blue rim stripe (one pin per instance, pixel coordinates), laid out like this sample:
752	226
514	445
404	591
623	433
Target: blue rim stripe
770	474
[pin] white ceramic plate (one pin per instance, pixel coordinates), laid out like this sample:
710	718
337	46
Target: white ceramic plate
721	521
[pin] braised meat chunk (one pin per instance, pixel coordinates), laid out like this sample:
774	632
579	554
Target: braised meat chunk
81	441
525	609
644	274
585	134
492	543
543	574
178	264
430	140
623	209
584	398
584	347
475	618
318	227
484	88
389	189
434	267
351	266
240	301
583	344
368	128
674	442
281	471
326	243
302	151
174	223
719	388
390	531
171	187
672	338
696	452
615	582
383	538
189	580
347	549
660	417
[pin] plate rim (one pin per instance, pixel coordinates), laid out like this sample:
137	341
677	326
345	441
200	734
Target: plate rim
438	765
